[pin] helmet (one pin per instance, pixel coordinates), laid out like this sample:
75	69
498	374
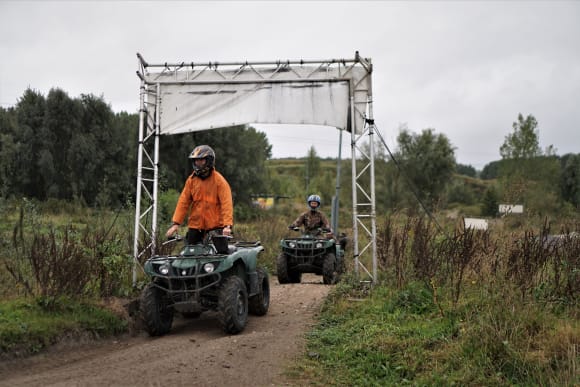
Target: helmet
202	152
313	198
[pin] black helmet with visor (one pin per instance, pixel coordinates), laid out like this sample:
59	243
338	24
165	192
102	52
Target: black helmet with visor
202	152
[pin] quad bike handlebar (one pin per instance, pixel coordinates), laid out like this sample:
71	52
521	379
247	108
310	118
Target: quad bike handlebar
318	231
206	239
172	239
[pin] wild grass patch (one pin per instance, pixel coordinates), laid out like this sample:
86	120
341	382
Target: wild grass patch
468	308
30	325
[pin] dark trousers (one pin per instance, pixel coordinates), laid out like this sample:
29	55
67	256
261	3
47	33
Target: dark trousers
195	236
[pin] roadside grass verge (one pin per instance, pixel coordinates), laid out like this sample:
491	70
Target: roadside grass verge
28	326
400	337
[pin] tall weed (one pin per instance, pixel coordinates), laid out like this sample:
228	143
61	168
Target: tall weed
49	261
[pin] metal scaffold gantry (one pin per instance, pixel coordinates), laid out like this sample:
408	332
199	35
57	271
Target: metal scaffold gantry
184	97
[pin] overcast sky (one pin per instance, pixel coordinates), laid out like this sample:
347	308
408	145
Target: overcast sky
464	68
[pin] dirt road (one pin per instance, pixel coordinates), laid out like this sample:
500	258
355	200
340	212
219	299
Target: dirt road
195	353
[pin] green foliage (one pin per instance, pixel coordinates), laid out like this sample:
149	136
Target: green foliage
535	183
527	176
166	206
63	148
428	161
378	341
51	260
459	192
311	169
29	325
490	204
491	170
285	177
570	182
466	170
523	142
414	298
514	343
415	332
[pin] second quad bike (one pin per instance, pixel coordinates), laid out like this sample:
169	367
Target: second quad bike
213	275
310	253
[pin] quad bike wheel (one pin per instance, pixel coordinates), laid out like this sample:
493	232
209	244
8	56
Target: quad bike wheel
260	303
233	305
155	312
329	270
282	269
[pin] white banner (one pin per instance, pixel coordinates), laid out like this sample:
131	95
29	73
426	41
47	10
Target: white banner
188	108
193	99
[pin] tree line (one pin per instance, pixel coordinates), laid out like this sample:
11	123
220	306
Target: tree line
78	149
423	172
66	148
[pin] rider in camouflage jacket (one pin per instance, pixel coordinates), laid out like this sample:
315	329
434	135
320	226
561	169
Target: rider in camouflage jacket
312	220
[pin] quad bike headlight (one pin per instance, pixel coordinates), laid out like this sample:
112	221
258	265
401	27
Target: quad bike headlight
292	244
318	245
164	268
208	267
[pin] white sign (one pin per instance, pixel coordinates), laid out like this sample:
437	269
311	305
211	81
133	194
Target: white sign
511	209
475	223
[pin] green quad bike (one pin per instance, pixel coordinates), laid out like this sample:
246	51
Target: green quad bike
310	253
213	275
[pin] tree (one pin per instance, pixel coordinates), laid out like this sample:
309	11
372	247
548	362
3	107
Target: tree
526	174
523	142
491	170
428	160
570	181
490	205
9	150
67	148
62	122
466	170
312	167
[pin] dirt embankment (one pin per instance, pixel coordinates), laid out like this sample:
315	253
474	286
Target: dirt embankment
195	353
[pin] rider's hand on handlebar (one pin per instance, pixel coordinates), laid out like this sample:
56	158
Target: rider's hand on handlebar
172	230
227	231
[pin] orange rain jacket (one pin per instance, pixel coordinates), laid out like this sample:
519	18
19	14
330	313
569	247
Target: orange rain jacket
210	200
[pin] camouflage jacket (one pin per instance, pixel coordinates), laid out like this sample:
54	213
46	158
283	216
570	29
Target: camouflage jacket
311	220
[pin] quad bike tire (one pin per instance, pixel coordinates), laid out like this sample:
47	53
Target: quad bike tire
155	312
259	304
329	269
233	305
282	269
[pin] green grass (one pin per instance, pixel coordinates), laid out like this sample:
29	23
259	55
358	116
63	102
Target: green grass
399	337
30	325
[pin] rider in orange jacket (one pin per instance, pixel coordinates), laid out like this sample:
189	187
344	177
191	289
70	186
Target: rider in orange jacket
207	196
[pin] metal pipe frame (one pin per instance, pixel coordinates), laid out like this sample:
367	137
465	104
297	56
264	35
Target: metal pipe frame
146	201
